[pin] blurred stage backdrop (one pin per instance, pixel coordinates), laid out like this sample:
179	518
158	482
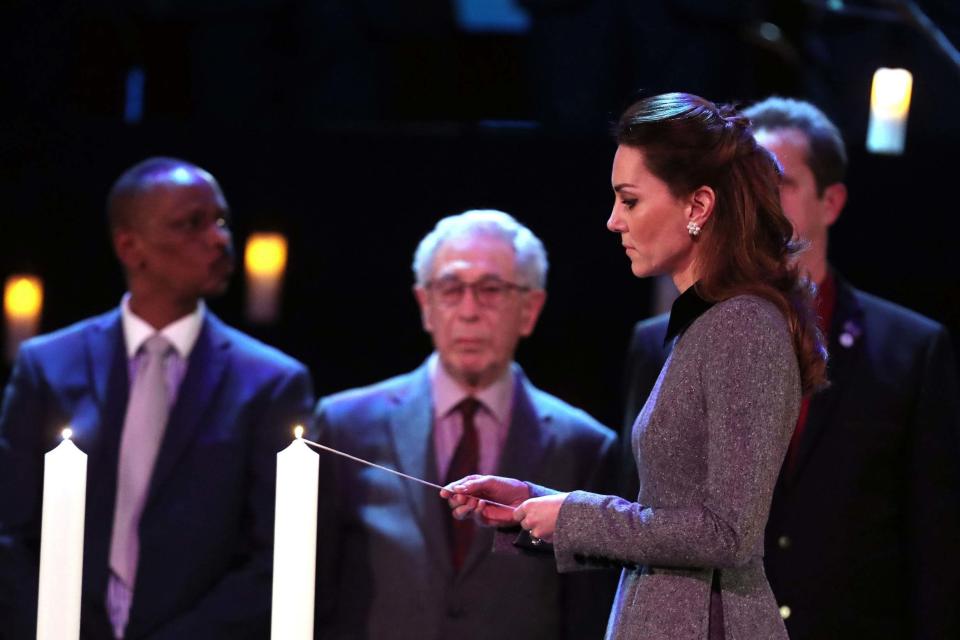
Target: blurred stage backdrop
351	126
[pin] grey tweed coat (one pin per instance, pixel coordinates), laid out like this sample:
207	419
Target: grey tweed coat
708	443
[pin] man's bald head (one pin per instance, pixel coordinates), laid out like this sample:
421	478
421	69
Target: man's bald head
169	224
123	210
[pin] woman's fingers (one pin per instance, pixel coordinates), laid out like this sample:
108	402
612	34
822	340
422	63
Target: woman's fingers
480	486
492	515
493	488
456	487
476	497
457	499
539	516
525	518
463	513
480	497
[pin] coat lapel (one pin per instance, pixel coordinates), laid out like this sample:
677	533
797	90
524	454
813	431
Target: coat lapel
107	373
411	428
107	370
845	347
411	431
105	349
529	436
205	369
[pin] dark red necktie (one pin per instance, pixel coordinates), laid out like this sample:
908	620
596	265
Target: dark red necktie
464	462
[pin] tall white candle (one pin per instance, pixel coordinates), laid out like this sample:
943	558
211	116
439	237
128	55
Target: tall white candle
295	542
61	542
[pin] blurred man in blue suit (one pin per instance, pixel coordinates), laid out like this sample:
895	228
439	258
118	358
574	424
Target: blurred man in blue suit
392	561
181	416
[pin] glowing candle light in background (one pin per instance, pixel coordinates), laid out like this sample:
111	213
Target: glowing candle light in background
265	260
22	304
889	107
61	541
295	541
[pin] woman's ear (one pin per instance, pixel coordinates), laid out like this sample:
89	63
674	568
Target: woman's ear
700	205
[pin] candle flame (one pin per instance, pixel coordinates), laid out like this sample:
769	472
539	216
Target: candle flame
890	94
23	296
298	432
67	433
266	254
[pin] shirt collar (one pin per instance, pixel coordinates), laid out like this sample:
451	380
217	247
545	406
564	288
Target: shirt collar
181	333
686	308
447	393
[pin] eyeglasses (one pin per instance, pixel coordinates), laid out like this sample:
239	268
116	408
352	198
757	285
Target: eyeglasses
489	292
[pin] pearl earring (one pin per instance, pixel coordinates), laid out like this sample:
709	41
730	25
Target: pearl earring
693	229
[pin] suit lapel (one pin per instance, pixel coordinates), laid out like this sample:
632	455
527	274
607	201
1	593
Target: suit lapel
411	431
411	428
846	344
105	349
107	374
205	369
107	370
528	438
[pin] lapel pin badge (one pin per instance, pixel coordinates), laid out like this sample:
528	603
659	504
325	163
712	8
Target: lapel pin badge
851	331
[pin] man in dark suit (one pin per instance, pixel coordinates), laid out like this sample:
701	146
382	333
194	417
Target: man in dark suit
863	530
394	564
181	417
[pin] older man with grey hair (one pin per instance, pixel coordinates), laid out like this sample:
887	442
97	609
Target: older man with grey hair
392	562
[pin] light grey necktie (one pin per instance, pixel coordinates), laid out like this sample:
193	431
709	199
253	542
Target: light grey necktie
140	440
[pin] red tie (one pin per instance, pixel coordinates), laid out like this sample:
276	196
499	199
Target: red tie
464	462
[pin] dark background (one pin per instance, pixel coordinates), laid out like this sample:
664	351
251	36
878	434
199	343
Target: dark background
353	125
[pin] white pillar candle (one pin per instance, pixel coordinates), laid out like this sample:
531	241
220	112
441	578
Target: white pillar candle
295	542
889	107
61	542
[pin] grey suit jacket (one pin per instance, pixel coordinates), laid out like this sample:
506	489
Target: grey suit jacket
384	568
708	443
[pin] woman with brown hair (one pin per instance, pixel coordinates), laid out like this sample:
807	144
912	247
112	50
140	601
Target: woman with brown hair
695	198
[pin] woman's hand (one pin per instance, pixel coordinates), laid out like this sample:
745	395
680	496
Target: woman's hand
539	516
470	497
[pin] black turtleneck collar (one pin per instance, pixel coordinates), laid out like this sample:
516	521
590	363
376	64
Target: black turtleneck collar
686	308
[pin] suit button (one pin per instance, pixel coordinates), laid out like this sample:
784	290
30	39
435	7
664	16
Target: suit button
783	542
784	612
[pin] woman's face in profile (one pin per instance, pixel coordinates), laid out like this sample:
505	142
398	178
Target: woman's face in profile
651	221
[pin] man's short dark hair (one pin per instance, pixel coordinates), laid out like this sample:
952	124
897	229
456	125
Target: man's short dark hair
827	156
138	179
